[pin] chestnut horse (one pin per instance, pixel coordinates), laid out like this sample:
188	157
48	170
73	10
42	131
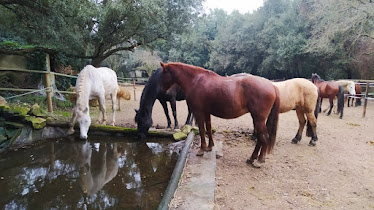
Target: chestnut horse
358	93
329	89
227	97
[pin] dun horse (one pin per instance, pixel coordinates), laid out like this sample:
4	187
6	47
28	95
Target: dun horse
330	89
301	95
93	83
227	97
151	92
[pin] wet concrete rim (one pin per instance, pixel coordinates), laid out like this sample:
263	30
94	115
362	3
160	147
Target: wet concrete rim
175	177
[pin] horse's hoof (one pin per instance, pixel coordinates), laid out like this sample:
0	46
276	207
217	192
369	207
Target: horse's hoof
295	141
253	137
200	152
255	164
312	143
208	149
249	161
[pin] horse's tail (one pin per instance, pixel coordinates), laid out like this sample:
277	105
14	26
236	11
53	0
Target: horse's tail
122	93
340	100
272	121
309	131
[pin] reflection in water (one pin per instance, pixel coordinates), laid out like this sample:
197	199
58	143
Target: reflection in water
94	174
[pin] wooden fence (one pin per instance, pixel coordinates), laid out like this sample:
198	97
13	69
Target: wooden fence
48	75
366	96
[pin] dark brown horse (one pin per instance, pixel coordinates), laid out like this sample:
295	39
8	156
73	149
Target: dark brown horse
227	97
329	89
358	94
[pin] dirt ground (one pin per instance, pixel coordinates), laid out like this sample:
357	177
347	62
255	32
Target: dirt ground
338	173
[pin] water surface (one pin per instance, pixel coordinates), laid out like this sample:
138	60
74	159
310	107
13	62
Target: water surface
104	172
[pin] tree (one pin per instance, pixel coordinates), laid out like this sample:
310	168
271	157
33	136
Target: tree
96	29
343	32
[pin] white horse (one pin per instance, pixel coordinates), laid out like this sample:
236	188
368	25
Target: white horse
93	83
97	169
348	86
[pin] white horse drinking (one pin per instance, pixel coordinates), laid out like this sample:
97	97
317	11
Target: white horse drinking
93	83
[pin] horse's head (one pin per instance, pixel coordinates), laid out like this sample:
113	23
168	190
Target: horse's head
315	77
144	123
351	88
84	119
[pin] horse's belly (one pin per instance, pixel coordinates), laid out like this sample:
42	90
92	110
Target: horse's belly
228	112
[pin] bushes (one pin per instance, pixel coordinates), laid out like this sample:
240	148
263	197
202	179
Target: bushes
42	101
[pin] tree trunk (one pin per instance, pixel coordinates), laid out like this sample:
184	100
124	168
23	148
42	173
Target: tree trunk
97	62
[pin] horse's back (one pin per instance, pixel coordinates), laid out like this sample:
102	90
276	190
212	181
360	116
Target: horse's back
100	79
297	92
328	89
258	90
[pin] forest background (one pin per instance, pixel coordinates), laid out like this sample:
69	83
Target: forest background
280	40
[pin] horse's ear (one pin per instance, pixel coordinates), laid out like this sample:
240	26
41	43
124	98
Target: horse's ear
163	66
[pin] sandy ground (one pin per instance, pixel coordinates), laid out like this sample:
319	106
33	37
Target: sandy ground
338	173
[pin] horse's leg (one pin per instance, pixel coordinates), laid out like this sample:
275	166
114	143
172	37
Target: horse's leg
119	104
262	139
320	105
114	107
166	111
208	126
254	155
200	122
189	116
102	110
174	110
331	100
313	123
300	116
254	134
72	122
327	108
349	99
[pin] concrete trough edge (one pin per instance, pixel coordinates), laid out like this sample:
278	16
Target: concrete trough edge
174	180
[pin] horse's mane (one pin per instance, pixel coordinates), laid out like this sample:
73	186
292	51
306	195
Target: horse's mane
192	67
82	93
317	77
151	89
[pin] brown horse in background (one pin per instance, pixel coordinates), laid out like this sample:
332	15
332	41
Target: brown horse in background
227	97
358	93
329	89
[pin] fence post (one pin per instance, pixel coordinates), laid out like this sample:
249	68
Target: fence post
366	99
48	83
133	83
